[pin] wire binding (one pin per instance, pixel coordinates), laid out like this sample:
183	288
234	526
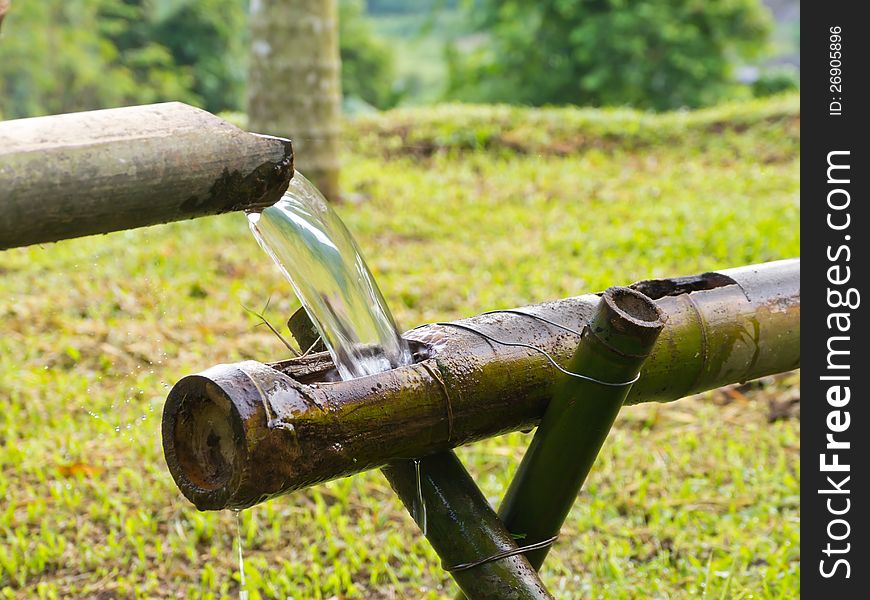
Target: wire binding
541	351
500	555
515	311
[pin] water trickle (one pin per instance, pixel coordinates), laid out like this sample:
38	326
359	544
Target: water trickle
243	593
319	257
419	502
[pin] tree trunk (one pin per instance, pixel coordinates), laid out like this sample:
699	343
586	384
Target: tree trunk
4	8
294	82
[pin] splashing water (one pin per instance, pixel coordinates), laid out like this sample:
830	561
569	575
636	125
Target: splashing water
320	259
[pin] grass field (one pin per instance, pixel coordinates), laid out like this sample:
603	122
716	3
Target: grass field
459	210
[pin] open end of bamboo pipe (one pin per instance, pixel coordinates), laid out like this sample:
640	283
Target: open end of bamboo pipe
226	438
628	321
202	441
204	438
633	306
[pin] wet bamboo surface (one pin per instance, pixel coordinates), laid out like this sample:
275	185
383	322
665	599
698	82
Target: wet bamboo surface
236	435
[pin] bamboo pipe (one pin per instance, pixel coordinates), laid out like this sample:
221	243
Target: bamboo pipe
613	348
77	174
236	435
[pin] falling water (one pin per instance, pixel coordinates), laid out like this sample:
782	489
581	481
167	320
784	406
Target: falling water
243	593
419	502
322	262
319	257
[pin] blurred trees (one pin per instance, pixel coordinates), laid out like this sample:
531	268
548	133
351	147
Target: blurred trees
66	55
367	63
657	54
208	39
392	7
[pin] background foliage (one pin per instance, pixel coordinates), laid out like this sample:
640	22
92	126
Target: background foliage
65	55
367	60
655	54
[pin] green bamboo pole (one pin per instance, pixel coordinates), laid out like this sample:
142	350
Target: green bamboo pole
236	435
463	528
620	336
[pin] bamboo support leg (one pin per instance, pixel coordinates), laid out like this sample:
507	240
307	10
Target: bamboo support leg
613	348
463	528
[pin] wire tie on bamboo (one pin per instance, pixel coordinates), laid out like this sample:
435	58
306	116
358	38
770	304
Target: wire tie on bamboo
540	350
514	311
500	555
436	375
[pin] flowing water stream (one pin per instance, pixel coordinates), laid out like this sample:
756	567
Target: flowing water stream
319	257
321	260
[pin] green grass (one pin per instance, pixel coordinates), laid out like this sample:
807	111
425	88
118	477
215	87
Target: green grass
695	498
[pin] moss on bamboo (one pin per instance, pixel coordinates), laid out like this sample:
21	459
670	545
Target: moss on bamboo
287	428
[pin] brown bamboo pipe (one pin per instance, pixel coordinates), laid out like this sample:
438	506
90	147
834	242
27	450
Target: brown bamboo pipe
236	435
77	174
